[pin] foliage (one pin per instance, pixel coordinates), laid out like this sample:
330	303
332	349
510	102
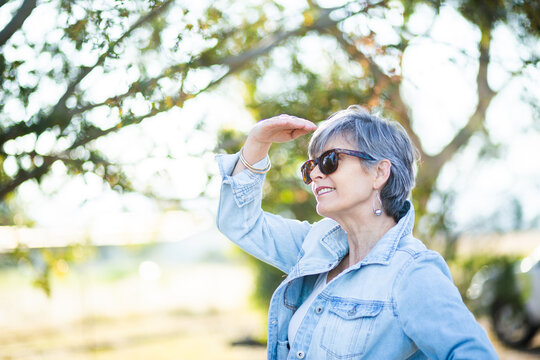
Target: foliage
163	53
47	262
267	279
465	267
355	66
94	68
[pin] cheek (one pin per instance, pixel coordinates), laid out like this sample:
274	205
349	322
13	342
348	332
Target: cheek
355	188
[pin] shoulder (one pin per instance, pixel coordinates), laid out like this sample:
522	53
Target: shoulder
415	250
415	257
411	246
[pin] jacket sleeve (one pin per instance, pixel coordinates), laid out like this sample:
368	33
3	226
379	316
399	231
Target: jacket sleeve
433	315
271	238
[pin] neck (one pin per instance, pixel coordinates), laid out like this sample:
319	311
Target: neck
364	235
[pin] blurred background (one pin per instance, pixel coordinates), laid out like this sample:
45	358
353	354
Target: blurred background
111	113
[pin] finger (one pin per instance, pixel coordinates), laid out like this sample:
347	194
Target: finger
299	132
296	119
287	117
285	121
303	126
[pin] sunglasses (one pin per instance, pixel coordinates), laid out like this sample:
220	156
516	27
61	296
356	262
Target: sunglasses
328	162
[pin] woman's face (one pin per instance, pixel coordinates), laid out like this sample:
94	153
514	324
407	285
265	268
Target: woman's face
346	191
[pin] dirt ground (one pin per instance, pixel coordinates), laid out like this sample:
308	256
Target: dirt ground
505	353
154	336
163	336
135	320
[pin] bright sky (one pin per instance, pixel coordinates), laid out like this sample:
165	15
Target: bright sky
440	90
442	97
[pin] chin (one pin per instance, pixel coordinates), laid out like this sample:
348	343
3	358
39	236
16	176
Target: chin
323	211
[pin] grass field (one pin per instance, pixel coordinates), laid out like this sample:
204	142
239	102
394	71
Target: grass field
151	336
193	311
190	311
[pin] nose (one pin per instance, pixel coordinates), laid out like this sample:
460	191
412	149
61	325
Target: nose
316	173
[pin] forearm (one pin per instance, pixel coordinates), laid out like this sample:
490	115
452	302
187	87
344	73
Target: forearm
269	237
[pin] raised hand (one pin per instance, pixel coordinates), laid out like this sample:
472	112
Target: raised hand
277	129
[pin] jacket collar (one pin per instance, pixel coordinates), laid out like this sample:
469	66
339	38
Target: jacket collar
335	240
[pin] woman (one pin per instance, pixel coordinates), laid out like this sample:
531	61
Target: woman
359	285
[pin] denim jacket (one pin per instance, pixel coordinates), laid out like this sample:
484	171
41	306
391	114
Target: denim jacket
399	302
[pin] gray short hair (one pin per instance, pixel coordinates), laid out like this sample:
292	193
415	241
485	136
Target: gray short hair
380	138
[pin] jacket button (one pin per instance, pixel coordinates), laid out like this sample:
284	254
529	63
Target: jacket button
318	309
300	355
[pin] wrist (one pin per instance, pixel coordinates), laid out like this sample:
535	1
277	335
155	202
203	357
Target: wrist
254	150
252	168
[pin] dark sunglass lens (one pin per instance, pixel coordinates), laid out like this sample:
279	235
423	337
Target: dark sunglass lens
329	162
306	169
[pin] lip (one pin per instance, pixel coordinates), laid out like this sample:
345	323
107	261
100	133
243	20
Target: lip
320	188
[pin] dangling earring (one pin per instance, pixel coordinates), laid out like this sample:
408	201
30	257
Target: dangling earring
377	212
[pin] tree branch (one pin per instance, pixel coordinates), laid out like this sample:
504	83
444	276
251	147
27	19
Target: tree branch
133	89
57	115
36	173
86	70
433	164
384	82
18	20
181	97
234	63
398	106
6	188
477	119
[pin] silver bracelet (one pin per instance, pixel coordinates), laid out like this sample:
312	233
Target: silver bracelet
251	168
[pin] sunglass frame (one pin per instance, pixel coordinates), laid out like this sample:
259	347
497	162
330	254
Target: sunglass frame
319	160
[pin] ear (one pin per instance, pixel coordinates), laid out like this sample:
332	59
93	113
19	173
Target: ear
382	173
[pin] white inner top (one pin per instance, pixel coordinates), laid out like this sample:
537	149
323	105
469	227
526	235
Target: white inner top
300	313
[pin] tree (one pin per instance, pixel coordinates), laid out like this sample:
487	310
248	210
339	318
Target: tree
159	54
121	37
366	69
50	111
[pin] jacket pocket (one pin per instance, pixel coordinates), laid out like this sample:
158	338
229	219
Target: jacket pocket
348	327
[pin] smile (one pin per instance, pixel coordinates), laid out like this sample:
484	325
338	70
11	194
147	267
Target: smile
324	190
